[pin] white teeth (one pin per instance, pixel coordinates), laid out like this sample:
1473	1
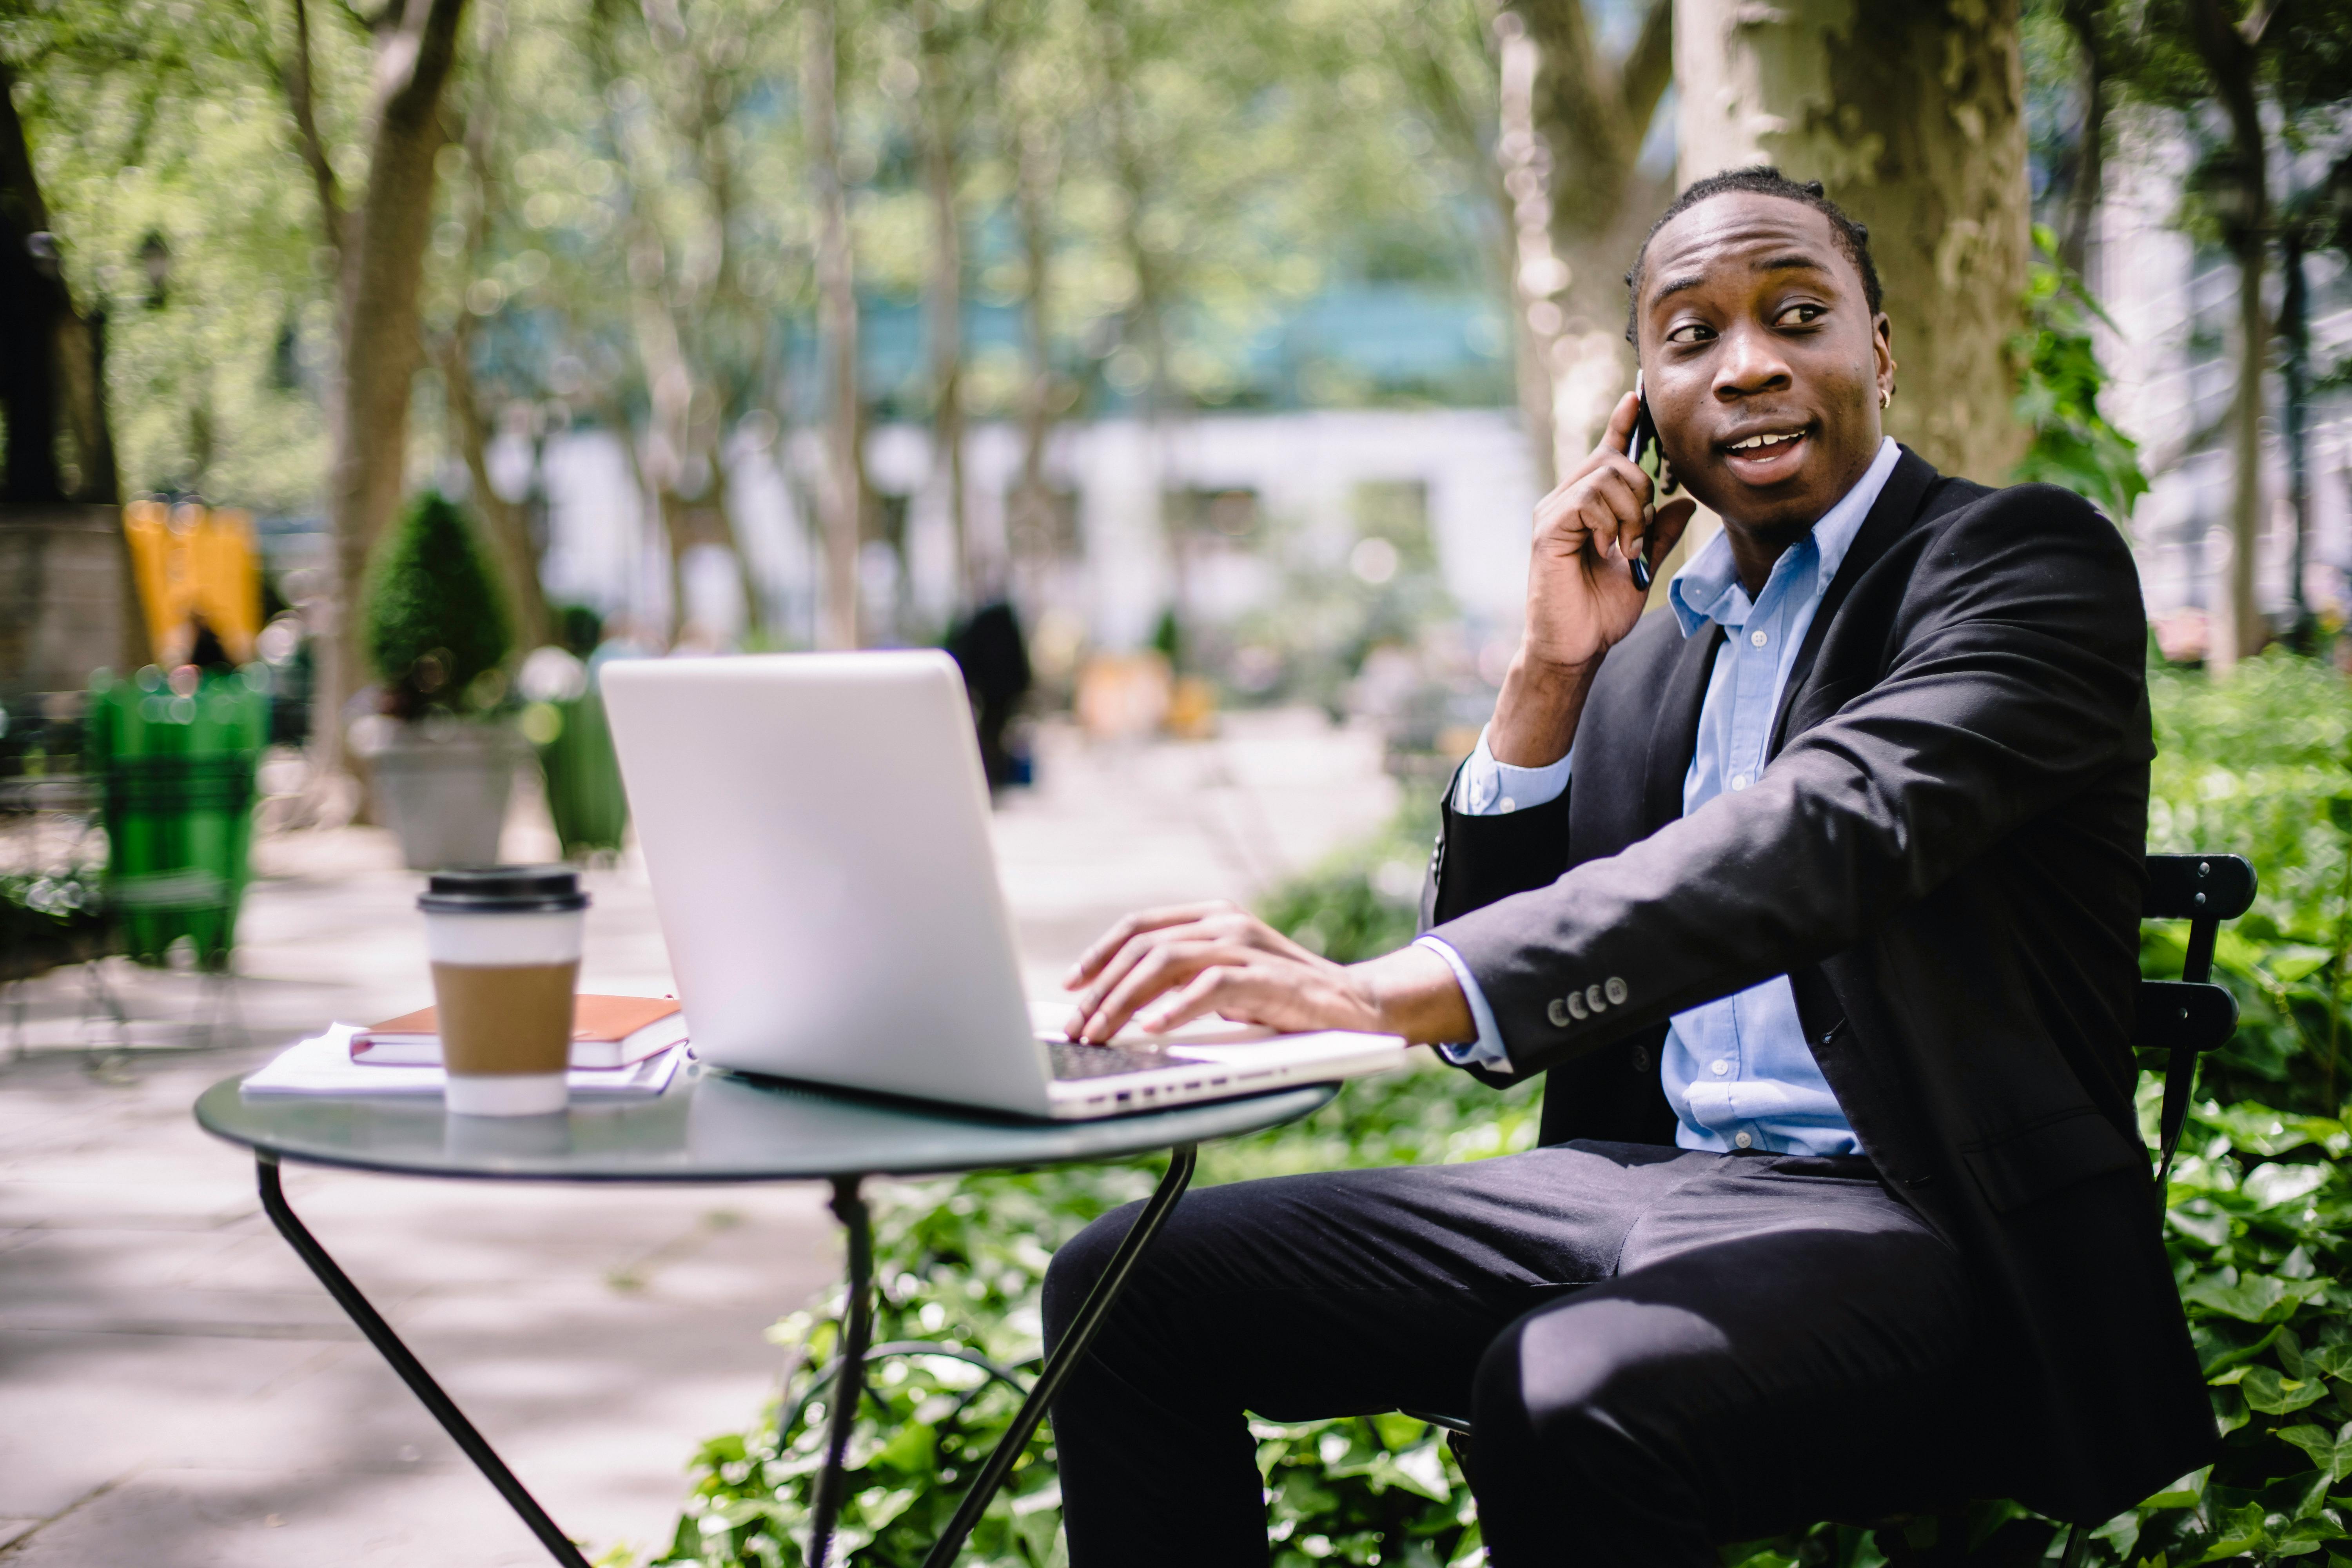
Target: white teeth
1754	441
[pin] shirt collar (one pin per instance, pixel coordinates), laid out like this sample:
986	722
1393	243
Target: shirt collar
1708	587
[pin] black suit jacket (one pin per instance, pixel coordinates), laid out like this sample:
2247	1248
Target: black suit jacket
1945	855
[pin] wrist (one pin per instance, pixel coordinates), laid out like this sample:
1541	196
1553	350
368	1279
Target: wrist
1412	992
1537	711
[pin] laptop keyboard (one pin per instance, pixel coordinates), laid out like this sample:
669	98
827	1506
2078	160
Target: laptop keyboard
1072	1060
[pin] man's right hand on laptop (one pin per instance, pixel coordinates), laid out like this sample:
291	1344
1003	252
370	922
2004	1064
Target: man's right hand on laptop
1163	968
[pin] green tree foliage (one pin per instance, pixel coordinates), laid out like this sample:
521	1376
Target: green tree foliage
2058	398
150	121
2252	87
643	161
436	622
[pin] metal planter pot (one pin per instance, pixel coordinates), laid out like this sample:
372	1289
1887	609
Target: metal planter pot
442	788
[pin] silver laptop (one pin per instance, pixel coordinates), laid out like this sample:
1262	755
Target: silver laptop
816	829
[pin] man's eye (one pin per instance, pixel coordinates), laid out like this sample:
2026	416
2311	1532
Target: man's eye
1799	315
1690	333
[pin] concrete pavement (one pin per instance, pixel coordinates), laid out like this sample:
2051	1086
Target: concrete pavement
175	1389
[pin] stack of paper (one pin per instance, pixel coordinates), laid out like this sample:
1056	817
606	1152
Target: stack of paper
323	1065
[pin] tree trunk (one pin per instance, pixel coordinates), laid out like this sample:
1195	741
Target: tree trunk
382	264
506	522
943	299
1912	115
1591	116
730	320
1032	534
53	370
1145	327
55	381
2245	632
2244	209
34	309
2091	154
840	496
2294	327
1533	274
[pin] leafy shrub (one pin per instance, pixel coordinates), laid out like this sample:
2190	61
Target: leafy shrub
1366	899
960	1263
436	627
51	918
2261	765
2259	1229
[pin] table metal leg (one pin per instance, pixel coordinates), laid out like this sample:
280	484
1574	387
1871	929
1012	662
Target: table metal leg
849	1383
1066	1355
412	1372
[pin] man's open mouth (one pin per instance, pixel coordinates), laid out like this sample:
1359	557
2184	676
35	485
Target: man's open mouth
1767	456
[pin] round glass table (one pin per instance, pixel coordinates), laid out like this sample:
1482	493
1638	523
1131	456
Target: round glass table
712	1126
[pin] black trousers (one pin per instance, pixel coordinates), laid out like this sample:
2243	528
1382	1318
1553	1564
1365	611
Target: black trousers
1660	1350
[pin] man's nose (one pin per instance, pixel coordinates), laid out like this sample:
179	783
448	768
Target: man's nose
1750	362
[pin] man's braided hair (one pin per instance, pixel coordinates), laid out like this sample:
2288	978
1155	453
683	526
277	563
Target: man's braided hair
1763	180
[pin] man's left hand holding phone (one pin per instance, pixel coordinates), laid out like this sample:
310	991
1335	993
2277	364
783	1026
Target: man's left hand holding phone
1582	595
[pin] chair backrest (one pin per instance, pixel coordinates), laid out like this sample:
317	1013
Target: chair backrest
2191	1014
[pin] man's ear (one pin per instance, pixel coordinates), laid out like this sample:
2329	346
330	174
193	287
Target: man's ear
1882	342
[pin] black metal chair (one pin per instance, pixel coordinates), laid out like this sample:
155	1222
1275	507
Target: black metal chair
2182	1018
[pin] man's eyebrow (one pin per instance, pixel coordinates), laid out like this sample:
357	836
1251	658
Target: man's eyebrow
1676	286
1795	261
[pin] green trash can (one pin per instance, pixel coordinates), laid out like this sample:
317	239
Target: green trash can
582	772
177	771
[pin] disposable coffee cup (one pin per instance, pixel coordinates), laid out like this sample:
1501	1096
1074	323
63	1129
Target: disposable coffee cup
505	945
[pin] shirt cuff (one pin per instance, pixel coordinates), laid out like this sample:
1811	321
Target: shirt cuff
1485	1051
1489	788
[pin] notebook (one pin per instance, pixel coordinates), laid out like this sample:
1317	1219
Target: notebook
606	1032
322	1065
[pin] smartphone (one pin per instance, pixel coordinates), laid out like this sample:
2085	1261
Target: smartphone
1651	458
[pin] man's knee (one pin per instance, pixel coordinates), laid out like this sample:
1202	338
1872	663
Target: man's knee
1603	1393
1079	1262
1575	1410
1571	1376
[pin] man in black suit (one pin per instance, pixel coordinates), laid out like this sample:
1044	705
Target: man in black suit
1816	899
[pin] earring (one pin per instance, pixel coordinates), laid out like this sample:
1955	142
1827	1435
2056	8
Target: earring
1885	397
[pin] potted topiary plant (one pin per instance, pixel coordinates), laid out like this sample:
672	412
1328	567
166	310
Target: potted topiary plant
437	629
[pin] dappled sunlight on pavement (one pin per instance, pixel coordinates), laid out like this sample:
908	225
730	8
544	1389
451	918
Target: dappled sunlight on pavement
180	1390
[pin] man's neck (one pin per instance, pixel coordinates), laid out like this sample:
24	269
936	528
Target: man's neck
1755	551
1757	546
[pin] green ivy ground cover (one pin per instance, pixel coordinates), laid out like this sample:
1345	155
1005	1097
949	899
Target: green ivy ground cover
2259	1228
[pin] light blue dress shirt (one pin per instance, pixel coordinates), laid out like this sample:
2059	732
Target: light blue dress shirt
1737	1070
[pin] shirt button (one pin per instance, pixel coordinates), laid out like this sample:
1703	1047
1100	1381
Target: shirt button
1759	638
1506	804
1738	780
1744	1140
1720	1067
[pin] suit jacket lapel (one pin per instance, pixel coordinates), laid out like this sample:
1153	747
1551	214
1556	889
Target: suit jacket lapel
1674	737
1896	507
